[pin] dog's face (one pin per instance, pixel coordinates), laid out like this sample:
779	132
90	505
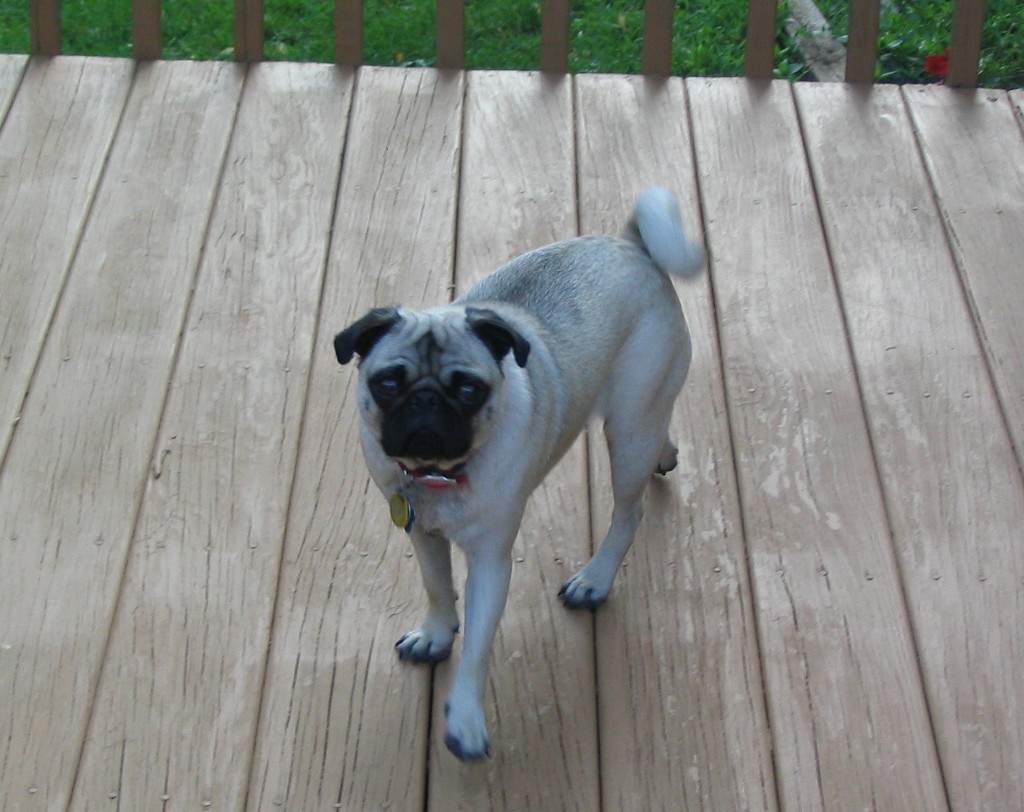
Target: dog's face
430	380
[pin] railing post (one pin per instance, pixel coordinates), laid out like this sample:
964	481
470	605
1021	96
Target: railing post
147	36
451	45
348	32
761	29
965	43
248	30
657	53
862	44
554	36
44	26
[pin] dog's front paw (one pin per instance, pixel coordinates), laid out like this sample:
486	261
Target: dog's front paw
583	592
430	643
466	735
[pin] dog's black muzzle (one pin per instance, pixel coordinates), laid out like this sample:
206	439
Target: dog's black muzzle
425	426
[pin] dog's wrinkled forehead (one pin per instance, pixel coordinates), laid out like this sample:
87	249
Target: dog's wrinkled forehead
431	344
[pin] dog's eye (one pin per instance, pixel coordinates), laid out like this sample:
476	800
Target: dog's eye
385	388
470	392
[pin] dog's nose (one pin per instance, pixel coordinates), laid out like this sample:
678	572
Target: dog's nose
424	401
424	444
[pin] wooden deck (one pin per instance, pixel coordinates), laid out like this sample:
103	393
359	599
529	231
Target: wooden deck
200	589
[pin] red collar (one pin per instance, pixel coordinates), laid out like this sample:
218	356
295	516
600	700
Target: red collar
436	479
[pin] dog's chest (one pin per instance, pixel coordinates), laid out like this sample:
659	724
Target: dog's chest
440	511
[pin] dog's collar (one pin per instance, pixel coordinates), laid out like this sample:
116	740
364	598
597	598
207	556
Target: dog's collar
436	479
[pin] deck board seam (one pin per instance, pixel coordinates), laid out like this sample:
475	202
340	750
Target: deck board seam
588	452
459	167
434	689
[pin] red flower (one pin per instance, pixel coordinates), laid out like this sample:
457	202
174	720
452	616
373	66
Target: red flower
937	64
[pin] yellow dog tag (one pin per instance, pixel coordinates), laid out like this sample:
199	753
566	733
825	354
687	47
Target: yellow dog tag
402	514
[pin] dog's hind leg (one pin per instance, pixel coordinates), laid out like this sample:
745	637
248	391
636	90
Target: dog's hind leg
669	458
636	430
636	451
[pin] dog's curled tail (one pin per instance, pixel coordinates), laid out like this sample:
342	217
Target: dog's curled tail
657	226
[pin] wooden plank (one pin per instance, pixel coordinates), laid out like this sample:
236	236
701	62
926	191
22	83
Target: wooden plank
348	32
969	139
248	30
12	66
862	42
848	716
952	486
657	52
517	193
965	43
193	624
52	148
451	48
761	29
44	26
75	470
343	722
682	716
554	35
147	29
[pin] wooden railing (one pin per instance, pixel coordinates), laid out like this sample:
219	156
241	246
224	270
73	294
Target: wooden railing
762	17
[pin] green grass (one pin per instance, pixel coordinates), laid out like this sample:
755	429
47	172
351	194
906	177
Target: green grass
708	37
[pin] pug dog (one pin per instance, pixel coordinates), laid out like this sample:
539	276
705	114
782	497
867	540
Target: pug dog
465	407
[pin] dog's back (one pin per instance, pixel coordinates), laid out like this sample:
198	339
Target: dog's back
603	308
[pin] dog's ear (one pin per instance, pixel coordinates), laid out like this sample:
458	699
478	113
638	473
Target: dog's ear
499	336
359	338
